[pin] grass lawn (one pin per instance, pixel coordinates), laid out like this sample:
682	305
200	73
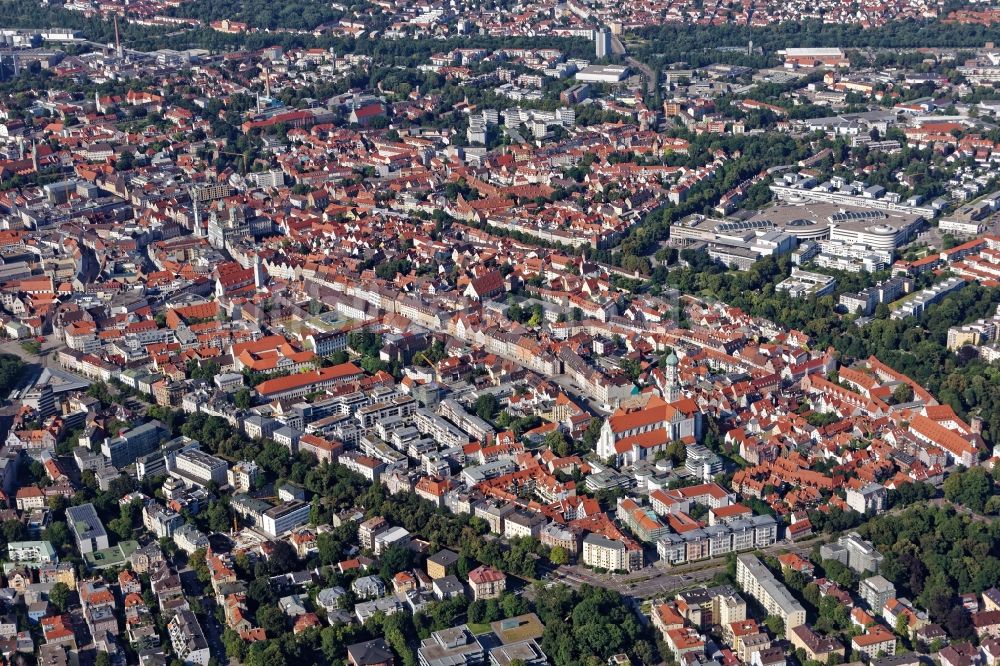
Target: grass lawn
477	628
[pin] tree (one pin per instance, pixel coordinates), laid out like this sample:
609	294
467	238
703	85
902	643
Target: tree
676	451
970	488
556	440
235	646
218	517
282	559
775	624
592	433
271	619
243	398
486	406
396	558
59	596
57	534
197	562
589	625
13	530
558	555
902	394
261	592
903	626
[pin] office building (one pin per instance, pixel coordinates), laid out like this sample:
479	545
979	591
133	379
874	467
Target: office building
451	647
199	468
124	449
284	518
88	531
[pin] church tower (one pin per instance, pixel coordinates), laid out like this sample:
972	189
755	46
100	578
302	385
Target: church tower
672	390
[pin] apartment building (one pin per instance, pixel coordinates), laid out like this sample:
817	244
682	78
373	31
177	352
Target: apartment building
853	551
398	407
717	540
446	434
878	641
758	581
876	591
369	529
31	552
817	648
187	639
242	475
475	426
641	520
610	554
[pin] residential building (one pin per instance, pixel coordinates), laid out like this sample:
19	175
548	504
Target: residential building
441	563
370	653
872	497
603	553
876	592
187	639
878	642
487	582
817	648
758	581
31	552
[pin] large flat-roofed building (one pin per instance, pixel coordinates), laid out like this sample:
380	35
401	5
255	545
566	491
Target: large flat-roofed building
124	450
457	646
804	222
87	528
814	56
200	468
807	283
31	552
284	517
758	581
602	74
853	551
916	306
797	188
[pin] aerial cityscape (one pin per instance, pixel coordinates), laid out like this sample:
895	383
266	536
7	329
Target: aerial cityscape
500	333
